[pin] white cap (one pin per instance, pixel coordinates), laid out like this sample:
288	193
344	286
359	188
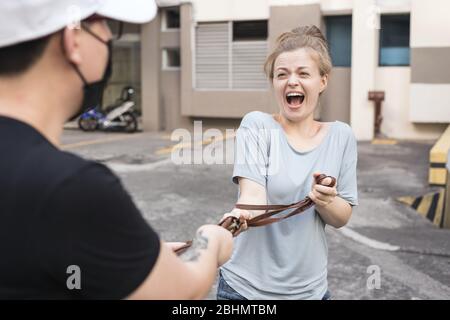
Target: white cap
24	20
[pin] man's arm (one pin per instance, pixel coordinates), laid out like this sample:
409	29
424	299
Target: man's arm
191	275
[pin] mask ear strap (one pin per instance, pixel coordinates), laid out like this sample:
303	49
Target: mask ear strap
79	73
71	63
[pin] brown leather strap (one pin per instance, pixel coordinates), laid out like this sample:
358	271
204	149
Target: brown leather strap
233	224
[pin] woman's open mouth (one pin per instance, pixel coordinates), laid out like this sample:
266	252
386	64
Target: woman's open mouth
295	99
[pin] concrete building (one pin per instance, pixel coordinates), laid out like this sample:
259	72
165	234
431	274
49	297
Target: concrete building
203	59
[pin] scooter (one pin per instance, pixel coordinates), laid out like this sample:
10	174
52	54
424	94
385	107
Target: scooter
119	116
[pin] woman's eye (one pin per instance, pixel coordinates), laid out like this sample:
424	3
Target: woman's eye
280	75
304	74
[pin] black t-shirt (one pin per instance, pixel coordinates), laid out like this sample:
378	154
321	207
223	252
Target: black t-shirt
58	210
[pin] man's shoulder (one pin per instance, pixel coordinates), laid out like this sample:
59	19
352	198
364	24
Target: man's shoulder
46	169
62	164
73	168
31	159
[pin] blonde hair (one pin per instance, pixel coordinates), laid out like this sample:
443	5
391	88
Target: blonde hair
309	37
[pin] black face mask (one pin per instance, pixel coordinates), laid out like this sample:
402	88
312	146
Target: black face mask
93	92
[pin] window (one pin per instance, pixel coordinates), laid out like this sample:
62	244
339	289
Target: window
339	36
230	55
171	59
171	18
249	30
394	40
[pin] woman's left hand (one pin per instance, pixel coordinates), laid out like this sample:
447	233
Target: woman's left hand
322	195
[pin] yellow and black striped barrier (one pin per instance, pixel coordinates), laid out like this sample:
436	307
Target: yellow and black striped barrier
446	217
430	206
438	160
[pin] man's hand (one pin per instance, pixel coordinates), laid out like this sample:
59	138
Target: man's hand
322	195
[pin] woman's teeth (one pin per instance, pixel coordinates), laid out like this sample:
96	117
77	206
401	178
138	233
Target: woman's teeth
295	98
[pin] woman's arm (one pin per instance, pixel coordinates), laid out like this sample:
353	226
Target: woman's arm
333	210
250	192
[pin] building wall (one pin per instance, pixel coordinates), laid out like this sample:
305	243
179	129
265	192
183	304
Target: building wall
408	89
396	122
335	101
333	7
161	87
226	10
285	18
223	10
401	93
430	63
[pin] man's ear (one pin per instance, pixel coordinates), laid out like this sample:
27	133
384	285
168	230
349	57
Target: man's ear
323	83
71	45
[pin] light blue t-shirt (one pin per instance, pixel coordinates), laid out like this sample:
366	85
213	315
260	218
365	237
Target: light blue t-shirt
287	259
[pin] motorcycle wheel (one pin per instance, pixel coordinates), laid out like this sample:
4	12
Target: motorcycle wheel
87	124
131	120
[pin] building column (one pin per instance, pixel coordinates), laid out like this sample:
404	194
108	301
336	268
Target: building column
150	75
186	51
365	29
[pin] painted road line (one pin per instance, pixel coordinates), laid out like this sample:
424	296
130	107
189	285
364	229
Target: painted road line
346	231
375	244
384	141
183	145
97	141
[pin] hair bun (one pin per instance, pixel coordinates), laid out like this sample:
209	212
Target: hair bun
308	36
309	31
302	32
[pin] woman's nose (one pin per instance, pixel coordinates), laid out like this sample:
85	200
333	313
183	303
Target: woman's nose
293	80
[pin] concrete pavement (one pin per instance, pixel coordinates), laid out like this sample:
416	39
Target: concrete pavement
411	254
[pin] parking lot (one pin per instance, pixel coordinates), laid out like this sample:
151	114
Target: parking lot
384	237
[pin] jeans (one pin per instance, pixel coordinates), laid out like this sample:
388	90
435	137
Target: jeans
225	292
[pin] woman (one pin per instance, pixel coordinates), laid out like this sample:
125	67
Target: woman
277	158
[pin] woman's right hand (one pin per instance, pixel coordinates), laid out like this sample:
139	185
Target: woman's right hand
242	216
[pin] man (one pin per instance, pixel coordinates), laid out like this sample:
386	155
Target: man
68	229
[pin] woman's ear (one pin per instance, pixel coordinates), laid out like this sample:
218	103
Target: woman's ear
323	83
71	45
